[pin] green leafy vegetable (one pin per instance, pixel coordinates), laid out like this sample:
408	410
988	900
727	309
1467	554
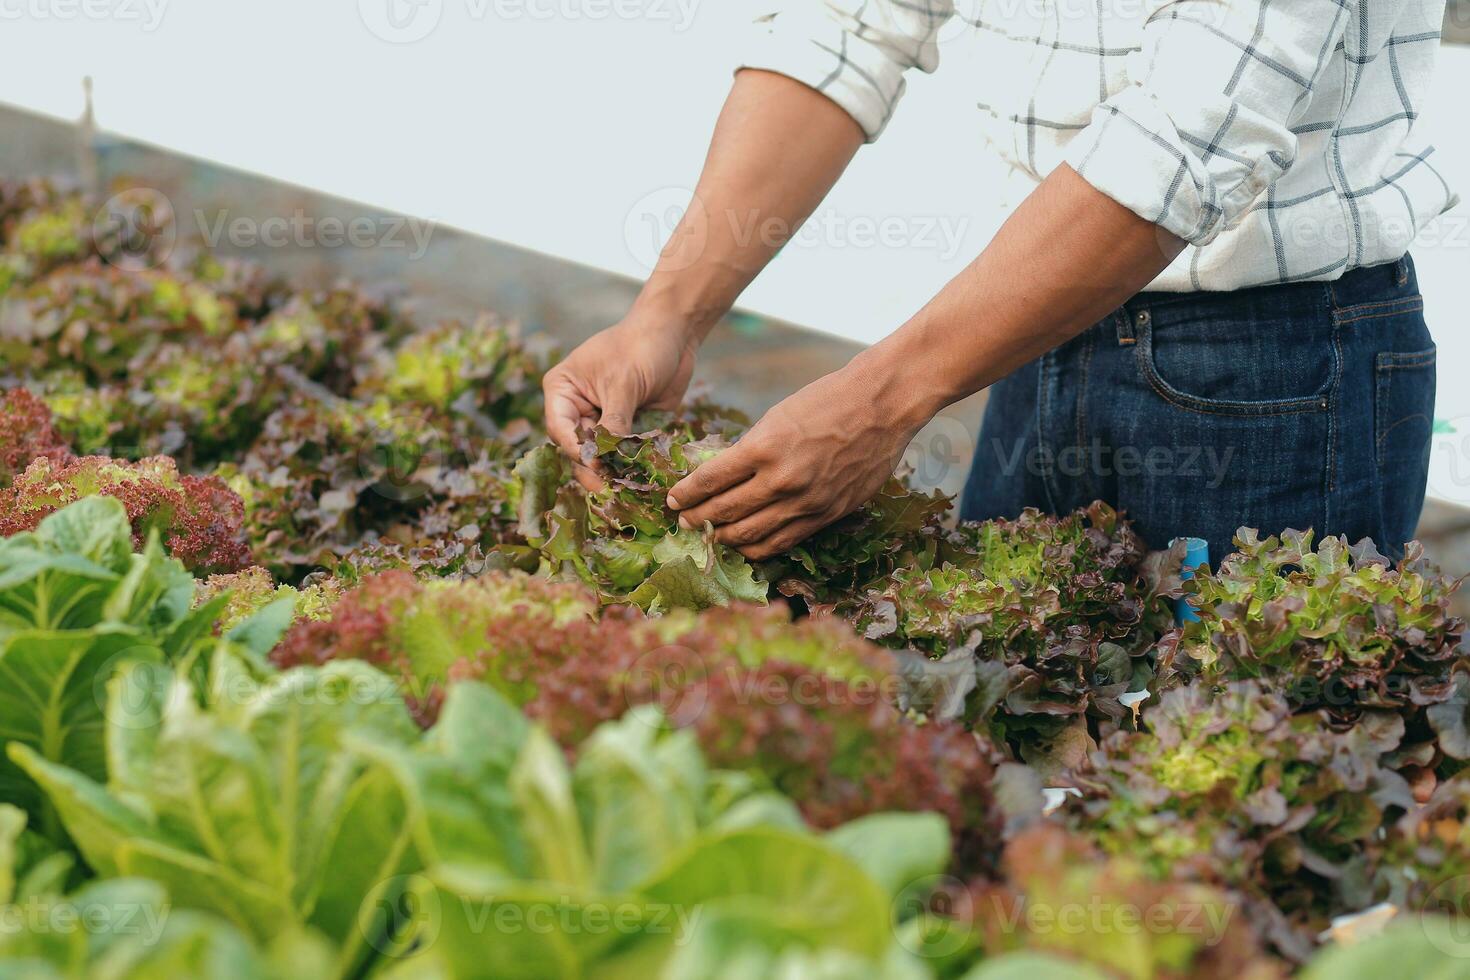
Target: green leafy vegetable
806	708
1062	898
125	928
1335	628
251	808
76	604
1039	624
623	540
1237	790
516	838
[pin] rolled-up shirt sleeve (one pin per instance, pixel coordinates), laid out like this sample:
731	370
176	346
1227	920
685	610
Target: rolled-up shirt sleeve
1204	126
853	51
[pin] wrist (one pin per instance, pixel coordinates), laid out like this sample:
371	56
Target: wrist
666	308
899	385
933	361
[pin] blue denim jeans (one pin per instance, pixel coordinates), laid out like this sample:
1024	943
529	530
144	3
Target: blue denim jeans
1305	405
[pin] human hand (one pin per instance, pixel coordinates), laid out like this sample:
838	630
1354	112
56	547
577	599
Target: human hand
638	363
810	460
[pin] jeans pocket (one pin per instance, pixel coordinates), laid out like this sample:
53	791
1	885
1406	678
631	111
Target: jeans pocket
1403	426
1246	365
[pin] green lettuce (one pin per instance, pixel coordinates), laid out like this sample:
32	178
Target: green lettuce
624	540
75	603
1059	896
1237	790
252	807
611	866
805	708
1337	629
1033	628
124	928
897	529
482	368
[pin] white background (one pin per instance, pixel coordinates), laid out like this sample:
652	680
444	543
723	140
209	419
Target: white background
573	127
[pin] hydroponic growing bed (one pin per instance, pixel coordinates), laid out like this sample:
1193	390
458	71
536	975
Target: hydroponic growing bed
314	661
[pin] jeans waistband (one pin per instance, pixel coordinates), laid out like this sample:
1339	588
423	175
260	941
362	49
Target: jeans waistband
1374	283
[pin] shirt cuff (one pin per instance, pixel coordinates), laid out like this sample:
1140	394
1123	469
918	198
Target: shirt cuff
1132	152
841	66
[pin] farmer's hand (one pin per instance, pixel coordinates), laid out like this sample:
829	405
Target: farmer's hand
815	457
638	363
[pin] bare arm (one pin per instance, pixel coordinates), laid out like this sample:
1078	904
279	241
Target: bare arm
1067	257
777	149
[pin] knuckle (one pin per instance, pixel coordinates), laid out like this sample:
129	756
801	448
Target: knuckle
729	513
791	537
744	536
810	503
791	483
757	449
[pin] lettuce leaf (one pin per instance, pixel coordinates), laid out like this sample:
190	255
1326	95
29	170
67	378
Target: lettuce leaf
253	807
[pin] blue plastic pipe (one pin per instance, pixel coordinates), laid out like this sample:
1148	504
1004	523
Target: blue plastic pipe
1196	553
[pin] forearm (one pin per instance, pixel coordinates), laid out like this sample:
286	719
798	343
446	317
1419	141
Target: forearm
1066	258
777	150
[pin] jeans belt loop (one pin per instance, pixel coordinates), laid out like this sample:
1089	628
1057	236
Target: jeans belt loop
1401	271
1126	319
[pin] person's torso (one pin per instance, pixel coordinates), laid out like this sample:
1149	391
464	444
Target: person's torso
1363	182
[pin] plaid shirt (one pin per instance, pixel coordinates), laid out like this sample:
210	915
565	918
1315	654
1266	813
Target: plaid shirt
1277	138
